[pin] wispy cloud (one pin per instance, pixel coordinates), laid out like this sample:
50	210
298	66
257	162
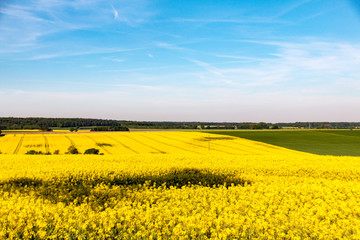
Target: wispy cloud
208	67
90	66
117	60
245	58
135	70
291	8
253	19
145	87
318	55
170	46
92	52
290	65
115	12
25	26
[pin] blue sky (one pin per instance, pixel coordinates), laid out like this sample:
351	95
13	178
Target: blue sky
273	61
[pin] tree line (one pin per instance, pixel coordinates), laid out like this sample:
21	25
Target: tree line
39	123
76	123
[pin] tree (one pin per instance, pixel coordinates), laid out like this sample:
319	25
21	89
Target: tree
45	129
72	150
74	129
92	151
109	128
244	126
275	127
260	125
34	152
256	126
263	125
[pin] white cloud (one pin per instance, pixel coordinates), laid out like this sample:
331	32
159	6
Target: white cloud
170	46
90	66
291	8
291	64
117	60
74	53
115	12
135	87
28	23
208	67
247	19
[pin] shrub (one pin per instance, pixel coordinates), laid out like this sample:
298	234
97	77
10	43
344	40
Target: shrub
104	144
72	129
45	129
109	128
72	150
92	151
56	152
34	152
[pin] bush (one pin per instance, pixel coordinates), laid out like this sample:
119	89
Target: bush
92	151
72	150
104	144
256	126
56	152
34	152
72	129
45	129
109	128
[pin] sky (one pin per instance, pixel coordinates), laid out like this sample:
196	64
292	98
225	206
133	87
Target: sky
234	61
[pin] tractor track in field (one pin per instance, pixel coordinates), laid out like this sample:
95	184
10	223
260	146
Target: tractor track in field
125	146
252	147
107	151
235	148
47	148
71	141
171	145
17	149
158	150
197	145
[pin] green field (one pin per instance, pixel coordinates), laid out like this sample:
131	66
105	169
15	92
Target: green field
323	142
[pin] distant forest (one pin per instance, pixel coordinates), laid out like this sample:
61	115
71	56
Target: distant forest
40	123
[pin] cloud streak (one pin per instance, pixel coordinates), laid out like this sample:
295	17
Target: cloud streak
291	8
115	12
295	65
25	27
72	54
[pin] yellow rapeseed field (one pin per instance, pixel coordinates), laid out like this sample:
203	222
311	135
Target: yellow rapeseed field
137	143
173	185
